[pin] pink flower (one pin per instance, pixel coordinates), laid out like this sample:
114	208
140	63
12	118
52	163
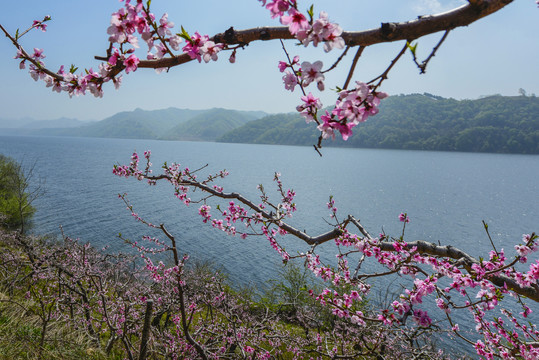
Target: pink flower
327	127
403	217
232	58
345	129
113	59
209	51
193	47
39	25
311	72
277	7
334	39
160	53
174	42
290	81
164	26
422	318
131	63
117	28
296	21
311	101
38	54
309	107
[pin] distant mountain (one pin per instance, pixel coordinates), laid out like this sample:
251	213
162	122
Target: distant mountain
499	124
171	123
56	123
282	129
496	124
14	123
136	124
210	125
29	126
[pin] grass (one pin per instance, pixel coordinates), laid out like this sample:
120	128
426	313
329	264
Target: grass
20	334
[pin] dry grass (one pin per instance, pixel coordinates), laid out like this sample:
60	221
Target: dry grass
20	335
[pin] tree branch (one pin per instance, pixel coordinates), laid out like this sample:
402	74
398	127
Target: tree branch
423	247
387	32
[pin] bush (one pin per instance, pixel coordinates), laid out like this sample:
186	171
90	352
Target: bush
15	195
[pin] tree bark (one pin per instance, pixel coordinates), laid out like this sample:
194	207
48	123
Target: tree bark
387	32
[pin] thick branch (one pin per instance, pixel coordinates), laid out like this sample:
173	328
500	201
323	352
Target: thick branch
448	251
387	32
425	25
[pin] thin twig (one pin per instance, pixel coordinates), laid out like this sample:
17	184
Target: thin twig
337	61
294	72
353	67
383	76
423	66
485	225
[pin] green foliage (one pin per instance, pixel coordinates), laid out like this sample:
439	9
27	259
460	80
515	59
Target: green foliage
497	124
288	296
14	200
168	124
209	125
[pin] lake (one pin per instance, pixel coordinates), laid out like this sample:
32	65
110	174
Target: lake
446	195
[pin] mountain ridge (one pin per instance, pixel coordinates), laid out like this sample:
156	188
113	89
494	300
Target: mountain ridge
495	123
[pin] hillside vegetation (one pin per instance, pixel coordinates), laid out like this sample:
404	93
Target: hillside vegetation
495	124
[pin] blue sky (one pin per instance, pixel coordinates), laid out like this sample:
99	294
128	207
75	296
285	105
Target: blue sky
497	54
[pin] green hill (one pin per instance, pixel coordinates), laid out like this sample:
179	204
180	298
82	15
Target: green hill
209	125
137	124
171	123
495	124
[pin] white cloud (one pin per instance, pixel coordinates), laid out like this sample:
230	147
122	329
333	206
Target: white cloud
435	6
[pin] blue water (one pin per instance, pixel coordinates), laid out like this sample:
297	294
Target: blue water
446	195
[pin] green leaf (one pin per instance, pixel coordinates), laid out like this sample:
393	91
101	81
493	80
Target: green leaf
73	69
17	34
412	47
185	35
310	12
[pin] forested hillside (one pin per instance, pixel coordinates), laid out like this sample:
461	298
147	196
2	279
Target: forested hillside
169	124
495	124
209	125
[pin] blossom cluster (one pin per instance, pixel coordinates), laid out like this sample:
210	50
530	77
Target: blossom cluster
127	25
134	22
313	31
352	107
474	285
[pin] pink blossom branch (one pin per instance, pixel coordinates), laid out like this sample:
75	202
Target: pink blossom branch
29	58
311	240
424	247
420	246
387	32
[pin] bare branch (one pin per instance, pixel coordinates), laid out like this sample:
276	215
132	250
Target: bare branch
353	67
423	66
